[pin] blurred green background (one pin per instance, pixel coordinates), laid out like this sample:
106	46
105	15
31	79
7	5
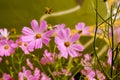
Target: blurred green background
19	13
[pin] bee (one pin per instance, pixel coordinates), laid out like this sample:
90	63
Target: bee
104	0
48	10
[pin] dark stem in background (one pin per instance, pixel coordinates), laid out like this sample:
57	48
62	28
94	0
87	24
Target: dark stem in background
112	46
94	43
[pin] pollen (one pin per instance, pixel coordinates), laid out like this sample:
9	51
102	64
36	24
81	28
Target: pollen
20	43
25	44
80	31
38	36
6	47
67	44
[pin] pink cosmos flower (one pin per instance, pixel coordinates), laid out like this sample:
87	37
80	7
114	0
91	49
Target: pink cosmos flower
80	27
47	58
66	43
37	36
27	75
7	47
44	77
4	34
29	64
7	77
22	45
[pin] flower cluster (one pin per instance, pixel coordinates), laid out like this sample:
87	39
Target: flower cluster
48	54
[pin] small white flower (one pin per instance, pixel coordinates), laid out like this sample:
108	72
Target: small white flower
4	34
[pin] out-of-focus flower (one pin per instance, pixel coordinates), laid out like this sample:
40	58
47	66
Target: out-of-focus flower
44	77
109	61
86	61
7	47
37	36
116	34
7	77
22	45
29	64
27	75
81	28
4	34
59	27
100	75
47	58
89	73
67	44
62	72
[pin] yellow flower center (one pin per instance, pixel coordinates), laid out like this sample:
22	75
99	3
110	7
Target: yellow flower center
25	44
67	44
6	47
80	31
38	36
20	43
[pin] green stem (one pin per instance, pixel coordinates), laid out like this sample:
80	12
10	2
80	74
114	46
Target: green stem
51	73
13	65
69	65
108	18
112	46
94	44
37	60
78	68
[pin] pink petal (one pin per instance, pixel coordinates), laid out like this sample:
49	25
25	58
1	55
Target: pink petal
45	41
43	25
86	30
72	53
38	43
77	47
43	61
58	40
80	26
75	37
64	33
27	31
34	25
27	38
48	33
20	75
63	51
29	63
31	45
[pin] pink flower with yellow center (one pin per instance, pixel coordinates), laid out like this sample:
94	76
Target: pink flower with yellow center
81	28
67	44
22	45
7	47
37	35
